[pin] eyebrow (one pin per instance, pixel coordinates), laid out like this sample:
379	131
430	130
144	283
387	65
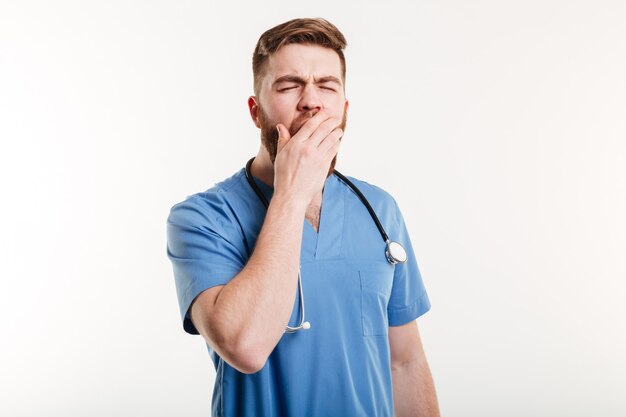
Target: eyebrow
299	80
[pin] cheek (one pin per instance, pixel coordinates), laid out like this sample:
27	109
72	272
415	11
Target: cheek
337	111
279	109
336	106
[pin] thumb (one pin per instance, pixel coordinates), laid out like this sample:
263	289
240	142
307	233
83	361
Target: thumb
283	136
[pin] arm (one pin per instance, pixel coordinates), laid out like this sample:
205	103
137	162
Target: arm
413	387
245	319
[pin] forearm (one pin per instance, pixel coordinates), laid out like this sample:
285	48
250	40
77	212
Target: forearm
252	310
413	390
245	319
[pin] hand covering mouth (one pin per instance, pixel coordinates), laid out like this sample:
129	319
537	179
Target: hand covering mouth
300	121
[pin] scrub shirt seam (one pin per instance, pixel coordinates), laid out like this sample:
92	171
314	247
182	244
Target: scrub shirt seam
193	286
222	390
204	231
232	184
419	300
196	228
343	226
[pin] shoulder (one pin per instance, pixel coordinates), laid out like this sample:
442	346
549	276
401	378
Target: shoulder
382	202
374	194
213	207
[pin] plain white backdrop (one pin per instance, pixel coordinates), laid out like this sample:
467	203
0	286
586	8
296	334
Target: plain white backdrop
498	126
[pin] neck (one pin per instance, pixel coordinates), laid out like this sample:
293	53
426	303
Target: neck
262	167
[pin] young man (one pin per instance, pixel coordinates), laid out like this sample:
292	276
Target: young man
237	263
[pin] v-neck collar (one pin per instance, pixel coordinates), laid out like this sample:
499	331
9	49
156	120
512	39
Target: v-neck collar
326	242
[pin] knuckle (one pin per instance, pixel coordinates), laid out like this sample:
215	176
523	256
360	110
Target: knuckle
306	151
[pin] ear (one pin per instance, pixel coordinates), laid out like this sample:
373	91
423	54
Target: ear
253	107
346	105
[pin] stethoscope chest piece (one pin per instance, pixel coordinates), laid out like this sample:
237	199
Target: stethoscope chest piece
395	253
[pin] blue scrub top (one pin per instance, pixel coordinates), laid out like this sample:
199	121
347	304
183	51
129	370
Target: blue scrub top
341	365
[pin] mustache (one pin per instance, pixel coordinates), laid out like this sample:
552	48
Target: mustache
300	121
269	134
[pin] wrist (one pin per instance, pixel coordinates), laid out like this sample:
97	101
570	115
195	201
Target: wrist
289	203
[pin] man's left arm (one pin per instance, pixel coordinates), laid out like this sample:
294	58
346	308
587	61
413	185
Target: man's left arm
413	387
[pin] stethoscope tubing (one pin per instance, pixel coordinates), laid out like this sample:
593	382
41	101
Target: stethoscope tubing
342	177
394	252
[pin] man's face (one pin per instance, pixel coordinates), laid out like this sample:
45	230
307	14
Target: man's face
299	81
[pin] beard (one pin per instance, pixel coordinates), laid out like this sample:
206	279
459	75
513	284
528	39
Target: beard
269	133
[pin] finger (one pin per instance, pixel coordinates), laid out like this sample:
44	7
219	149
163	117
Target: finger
330	140
332	151
307	129
324	130
283	137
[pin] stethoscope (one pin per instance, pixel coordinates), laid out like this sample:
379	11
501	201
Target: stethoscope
394	252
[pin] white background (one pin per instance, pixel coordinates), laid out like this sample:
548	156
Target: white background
498	126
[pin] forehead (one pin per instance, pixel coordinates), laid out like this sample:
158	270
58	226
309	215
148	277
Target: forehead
303	60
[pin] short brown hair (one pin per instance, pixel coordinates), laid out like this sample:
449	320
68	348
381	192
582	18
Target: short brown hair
307	31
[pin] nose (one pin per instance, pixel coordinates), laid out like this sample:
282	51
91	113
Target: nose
310	99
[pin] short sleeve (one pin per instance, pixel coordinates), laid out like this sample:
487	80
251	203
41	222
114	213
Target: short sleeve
202	248
409	299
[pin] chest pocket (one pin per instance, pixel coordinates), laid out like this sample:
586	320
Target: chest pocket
375	292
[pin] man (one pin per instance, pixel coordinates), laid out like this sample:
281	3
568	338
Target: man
237	263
